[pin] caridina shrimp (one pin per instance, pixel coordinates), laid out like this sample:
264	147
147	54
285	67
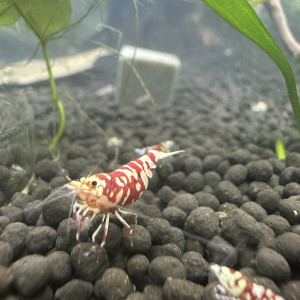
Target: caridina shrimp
164	146
233	285
106	193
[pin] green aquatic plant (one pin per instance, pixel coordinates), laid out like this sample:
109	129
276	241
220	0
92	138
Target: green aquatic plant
280	149
243	18
45	19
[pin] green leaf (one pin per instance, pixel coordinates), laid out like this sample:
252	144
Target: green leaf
45	17
243	18
8	13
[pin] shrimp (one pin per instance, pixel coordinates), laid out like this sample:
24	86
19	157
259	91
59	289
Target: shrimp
164	146
235	286
107	192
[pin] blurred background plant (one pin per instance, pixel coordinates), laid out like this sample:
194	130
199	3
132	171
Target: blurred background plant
243	18
48	20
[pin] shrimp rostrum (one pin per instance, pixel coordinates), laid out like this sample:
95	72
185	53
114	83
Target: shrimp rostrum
107	192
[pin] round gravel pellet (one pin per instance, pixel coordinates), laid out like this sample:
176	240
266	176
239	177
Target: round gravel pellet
291	189
203	221
166	194
58	181
207	199
186	202
223	167
32	211
77	151
289	174
293	159
291	290
46	169
177	237
164	169
268	199
212	179
57	206
6	253
211	162
290	209
254	210
196	266
39	189
219	250
163	267
60	265
194	182
176	180
226	191
238	228
192	164
267	238
66	235
21	200
277	223
255	187
40	240
4	221
12	212
240	156
278	165
236	174
271	264
6	279
136	296
181	289
227	207
114	284
175	216
4	176
141	240
153	292
75	289
260	170
114	238
31	274
88	261
15	234
165	250
137	265
288	245
159	230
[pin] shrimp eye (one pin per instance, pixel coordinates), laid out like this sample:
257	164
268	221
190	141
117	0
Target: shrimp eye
94	182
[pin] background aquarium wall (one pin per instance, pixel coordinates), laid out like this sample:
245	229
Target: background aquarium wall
93	85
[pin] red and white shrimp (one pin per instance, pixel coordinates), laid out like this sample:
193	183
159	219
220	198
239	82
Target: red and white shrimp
235	286
164	146
106	192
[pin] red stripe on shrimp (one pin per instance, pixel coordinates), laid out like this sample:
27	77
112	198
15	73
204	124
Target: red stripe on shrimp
107	193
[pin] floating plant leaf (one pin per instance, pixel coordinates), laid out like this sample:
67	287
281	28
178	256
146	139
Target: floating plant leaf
243	18
8	13
45	17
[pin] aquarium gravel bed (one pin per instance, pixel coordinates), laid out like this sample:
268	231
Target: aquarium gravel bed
226	200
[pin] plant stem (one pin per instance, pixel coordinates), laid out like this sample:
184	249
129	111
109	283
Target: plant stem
54	98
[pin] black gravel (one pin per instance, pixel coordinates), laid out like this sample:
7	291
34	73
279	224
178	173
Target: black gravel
227	200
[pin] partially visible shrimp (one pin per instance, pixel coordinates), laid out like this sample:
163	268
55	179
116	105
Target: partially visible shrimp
164	146
106	192
235	286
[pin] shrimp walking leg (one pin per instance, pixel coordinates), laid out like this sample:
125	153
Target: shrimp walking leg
98	229
126	225
124	212
105	231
